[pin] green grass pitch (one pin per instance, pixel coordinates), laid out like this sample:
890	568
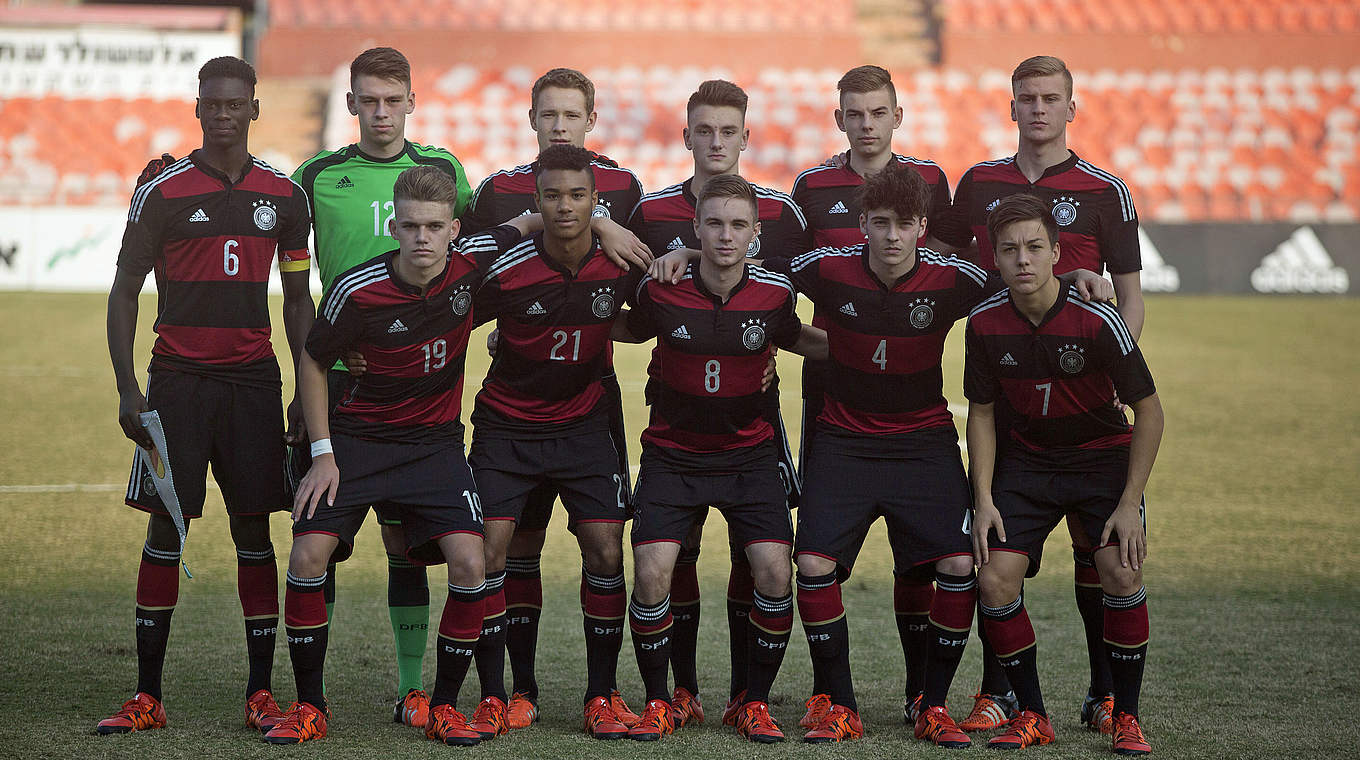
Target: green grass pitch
1254	570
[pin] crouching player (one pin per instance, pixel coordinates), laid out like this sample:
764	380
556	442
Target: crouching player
397	441
708	443
1058	364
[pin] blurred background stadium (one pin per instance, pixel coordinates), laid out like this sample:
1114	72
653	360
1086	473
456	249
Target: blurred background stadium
1234	122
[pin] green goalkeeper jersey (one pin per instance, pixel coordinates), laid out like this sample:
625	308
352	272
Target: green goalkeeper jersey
351	201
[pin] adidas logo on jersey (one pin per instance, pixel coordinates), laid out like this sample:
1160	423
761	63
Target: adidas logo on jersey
839	208
397	327
681	333
199	216
1300	265
344	183
849	310
536	310
675	244
1009	361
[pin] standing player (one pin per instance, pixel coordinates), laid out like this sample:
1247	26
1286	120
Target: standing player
716	134
350	190
868	115
1098	230
561	112
398	443
1057	365
543	422
710	442
210	225
886	446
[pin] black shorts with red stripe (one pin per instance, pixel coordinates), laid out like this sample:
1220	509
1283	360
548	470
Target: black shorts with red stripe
582	468
672	497
338	385
922	494
427	486
1033	493
237	428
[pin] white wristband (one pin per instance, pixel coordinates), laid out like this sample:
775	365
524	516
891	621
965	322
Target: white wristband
322	446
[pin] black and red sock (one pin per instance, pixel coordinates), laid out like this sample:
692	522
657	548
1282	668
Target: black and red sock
304	617
1126	640
1086	586
913	595
604	606
740	592
491	643
651	625
523	608
767	639
828	635
257	584
157	595
951	620
1012	635
459	628
685	613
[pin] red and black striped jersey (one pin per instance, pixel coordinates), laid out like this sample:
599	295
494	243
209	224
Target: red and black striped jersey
510	193
664	221
886	342
1058	380
709	359
554	341
1097	223
212	244
827	196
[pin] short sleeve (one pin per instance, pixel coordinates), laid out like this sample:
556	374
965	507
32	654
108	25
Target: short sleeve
980	385
336	329
294	232
952	224
973	284
1119	248
480	215
485	248
142	237
939	196
788	327
1124	361
805	273
793	238
640	320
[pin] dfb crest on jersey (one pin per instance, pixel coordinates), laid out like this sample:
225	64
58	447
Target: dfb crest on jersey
148	485
922	313
265	216
462	301
602	303
753	250
1065	210
1071	358
601	211
753	334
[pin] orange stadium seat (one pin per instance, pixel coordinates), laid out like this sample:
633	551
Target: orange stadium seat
1154	16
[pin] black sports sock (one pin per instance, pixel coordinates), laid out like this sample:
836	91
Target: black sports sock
651	626
767	639
257	585
994	679
328	592
912	597
460	626
828	635
740	591
157	594
604	603
523	608
490	649
1086	586
951	620
1126	639
1013	635
304	612
685	613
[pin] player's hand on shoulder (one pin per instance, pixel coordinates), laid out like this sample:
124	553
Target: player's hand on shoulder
622	246
355	363
131	404
671	267
838	161
493	339
1093	287
154	167
322	479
